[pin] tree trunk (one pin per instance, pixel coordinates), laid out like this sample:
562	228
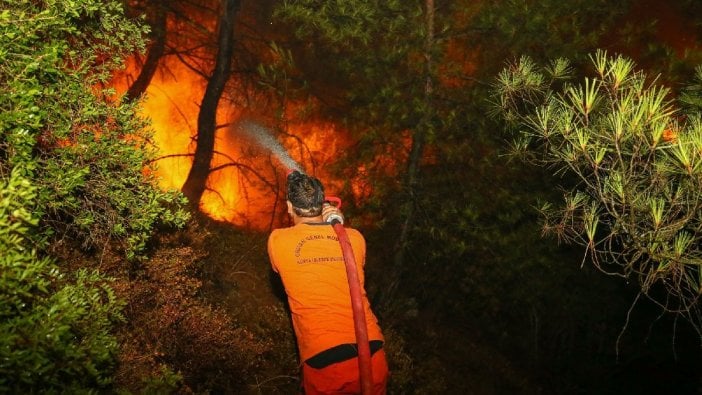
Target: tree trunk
156	51
418	140
411	180
196	182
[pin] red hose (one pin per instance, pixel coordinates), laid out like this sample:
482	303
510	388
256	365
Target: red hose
359	315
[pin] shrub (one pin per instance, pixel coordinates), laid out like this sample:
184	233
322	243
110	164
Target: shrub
171	327
87	155
73	170
54	330
637	164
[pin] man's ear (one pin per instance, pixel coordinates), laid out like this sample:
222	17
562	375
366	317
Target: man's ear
290	208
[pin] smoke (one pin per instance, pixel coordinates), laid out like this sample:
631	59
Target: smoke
265	138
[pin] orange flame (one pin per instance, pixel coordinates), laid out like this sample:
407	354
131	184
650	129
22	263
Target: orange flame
244	186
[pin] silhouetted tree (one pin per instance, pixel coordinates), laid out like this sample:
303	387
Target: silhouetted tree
158	16
196	182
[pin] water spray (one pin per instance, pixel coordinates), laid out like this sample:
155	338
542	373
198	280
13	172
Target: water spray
263	137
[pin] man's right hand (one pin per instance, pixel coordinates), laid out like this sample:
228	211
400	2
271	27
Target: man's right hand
329	211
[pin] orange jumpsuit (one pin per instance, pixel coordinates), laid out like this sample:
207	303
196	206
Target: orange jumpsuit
309	260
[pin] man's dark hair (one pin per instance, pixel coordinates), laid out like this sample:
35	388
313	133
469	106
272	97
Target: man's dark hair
306	194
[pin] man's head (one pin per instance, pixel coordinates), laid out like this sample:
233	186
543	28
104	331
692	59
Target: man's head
305	195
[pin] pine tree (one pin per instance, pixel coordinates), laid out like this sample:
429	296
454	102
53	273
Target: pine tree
637	159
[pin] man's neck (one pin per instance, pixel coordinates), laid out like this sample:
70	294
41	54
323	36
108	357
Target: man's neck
306	220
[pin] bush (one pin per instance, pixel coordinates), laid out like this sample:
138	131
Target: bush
54	330
171	329
87	155
637	163
73	171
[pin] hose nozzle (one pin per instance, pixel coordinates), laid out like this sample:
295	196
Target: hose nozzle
334	216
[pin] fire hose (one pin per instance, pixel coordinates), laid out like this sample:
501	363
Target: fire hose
359	315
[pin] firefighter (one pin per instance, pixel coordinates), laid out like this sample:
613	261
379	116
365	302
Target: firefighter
309	260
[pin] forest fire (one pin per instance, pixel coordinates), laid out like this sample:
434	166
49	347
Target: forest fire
417	116
243	186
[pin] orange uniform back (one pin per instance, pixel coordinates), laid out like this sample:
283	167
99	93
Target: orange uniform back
309	260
